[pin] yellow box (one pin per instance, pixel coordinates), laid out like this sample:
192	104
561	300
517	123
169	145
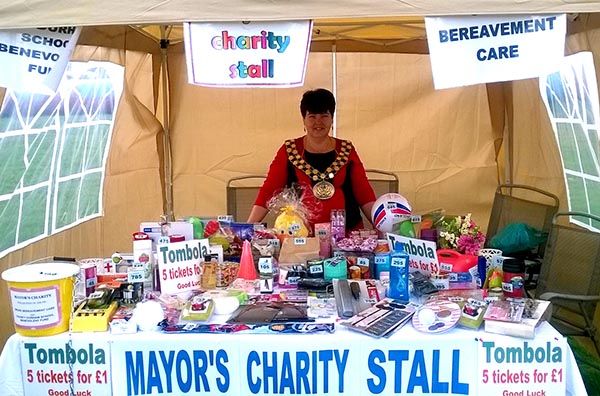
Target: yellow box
85	319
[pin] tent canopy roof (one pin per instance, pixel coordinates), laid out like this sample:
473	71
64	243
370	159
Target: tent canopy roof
45	13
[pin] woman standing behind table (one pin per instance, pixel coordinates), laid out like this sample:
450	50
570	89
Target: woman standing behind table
329	167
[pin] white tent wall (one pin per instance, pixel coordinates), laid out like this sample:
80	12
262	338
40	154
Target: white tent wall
133	184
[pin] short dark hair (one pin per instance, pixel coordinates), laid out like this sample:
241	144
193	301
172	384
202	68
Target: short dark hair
317	101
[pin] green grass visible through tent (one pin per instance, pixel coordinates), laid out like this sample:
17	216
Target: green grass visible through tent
588	363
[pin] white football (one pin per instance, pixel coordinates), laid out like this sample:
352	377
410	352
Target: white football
389	210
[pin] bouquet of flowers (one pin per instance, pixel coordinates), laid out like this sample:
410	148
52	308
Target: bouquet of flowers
461	234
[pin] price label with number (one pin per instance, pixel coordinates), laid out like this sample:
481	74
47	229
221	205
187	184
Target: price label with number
136	275
415	218
446	267
322	233
274	242
265	265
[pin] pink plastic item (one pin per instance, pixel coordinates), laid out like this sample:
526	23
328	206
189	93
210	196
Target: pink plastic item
247	270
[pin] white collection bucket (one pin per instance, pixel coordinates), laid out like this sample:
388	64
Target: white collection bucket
41	296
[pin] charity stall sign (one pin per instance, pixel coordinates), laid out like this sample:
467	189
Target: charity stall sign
175	366
51	366
278	366
236	365
251	364
466	50
180	265
34	60
408	367
247	54
422	254
521	367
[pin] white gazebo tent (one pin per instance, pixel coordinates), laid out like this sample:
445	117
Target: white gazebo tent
176	145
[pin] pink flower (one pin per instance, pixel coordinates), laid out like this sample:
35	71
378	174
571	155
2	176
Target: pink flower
462	234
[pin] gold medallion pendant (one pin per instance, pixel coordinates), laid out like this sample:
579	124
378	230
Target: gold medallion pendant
323	190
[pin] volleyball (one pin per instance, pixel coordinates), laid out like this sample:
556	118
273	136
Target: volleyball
389	210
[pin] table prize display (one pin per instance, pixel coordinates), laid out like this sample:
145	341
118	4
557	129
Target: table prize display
430	354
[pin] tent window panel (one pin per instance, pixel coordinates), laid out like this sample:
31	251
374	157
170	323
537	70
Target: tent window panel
66	201
73	151
54	151
590	117
9	219
593	191
557	97
93	100
89	202
586	154
568	146
97	137
595	142
46	112
40	156
33	212
577	194
7	123
12	152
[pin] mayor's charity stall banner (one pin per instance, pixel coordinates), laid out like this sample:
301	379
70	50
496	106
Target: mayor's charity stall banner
466	50
34	60
247	54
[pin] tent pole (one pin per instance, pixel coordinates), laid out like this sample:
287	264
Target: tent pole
164	44
334	83
508	133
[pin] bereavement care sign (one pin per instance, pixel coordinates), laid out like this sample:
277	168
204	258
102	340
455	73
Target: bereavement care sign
468	50
34	60
247	54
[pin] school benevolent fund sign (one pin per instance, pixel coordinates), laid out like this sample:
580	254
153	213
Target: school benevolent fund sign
247	54
34	60
468	50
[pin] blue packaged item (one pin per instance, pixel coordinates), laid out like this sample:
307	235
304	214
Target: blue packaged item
481	271
382	265
398	288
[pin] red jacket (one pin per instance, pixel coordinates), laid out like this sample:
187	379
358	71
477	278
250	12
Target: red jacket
352	188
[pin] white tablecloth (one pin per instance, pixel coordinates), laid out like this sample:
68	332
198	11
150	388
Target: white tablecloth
458	361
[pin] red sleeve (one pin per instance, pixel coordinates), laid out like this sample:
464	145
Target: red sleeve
360	183
276	178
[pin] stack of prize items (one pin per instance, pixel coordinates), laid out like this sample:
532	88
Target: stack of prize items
358	249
